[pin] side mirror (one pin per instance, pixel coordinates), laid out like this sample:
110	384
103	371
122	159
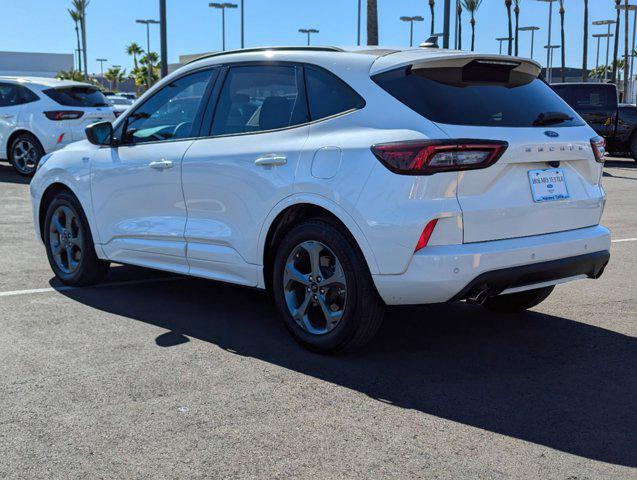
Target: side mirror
100	133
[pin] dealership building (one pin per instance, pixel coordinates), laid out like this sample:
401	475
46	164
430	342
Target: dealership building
27	64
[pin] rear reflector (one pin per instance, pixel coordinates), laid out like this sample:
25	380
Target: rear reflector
426	157
60	138
426	235
59	115
599	148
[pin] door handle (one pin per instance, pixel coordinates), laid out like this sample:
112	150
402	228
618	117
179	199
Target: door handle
271	160
162	164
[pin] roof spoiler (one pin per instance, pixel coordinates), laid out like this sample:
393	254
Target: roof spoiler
431	42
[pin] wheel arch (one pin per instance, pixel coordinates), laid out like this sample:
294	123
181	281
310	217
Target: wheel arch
293	211
13	136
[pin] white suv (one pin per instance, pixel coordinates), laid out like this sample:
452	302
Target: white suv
340	182
40	115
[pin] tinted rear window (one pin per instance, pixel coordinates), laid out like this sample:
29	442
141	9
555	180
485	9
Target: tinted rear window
591	97
78	96
477	94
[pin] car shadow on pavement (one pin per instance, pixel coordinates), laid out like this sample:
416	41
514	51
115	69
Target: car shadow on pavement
540	378
9	175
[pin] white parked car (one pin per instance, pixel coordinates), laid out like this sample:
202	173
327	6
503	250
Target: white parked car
40	115
120	104
339	181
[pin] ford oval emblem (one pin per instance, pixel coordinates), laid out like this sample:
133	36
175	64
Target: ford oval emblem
551	133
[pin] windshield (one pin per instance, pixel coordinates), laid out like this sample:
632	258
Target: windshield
479	95
79	96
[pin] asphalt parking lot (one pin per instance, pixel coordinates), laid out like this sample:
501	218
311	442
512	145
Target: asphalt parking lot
156	376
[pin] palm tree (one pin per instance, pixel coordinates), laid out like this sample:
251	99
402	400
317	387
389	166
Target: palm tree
562	11
516	10
616	47
115	76
585	44
74	75
472	6
507	4
150	62
372	22
80	8
134	49
459	26
75	16
432	4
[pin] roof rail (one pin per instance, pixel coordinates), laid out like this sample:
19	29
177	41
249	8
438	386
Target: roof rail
263	49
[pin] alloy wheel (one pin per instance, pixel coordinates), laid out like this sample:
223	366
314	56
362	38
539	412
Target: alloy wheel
25	156
315	287
66	240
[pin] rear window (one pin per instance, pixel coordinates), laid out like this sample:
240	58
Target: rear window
77	96
479	94
593	97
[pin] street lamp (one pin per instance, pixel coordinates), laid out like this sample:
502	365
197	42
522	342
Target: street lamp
608	23
149	66
222	7
102	60
411	21
503	39
549	68
531	29
549	50
359	23
598	36
308	31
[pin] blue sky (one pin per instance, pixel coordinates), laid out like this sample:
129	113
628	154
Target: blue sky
45	26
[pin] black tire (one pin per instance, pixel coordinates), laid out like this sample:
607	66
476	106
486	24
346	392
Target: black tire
363	309
89	269
518	302
25	167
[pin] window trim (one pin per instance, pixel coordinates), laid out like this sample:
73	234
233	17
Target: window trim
302	91
20	93
199	117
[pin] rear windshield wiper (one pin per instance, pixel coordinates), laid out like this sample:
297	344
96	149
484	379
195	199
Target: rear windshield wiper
551	118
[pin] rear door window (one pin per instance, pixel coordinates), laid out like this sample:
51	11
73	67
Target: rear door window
260	98
479	94
78	96
328	95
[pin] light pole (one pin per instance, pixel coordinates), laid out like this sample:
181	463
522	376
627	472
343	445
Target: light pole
446	23
598	36
532	29
549	68
411	21
243	7
163	34
608	35
503	39
222	7
549	50
102	60
149	66
308	31
359	23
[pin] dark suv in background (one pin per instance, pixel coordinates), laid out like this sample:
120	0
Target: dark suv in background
597	103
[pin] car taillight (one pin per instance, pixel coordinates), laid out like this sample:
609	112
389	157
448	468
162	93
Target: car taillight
59	115
426	157
599	148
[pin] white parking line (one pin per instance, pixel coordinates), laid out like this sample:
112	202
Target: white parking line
65	288
619	240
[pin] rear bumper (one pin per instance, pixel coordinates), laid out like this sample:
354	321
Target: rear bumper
443	273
